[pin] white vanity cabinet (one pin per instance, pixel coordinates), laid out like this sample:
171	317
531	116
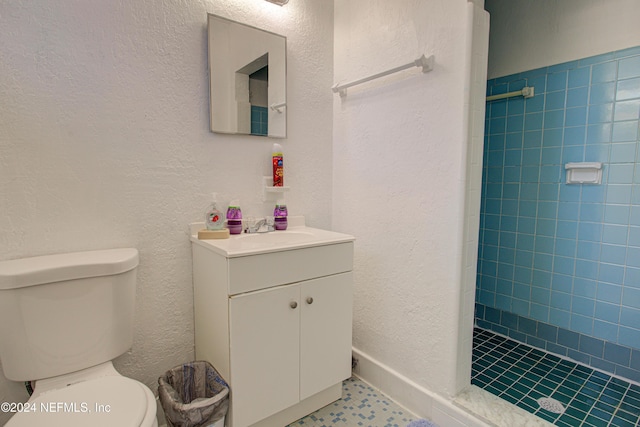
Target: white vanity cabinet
275	320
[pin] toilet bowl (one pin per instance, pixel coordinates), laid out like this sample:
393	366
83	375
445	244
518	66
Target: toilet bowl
97	396
63	319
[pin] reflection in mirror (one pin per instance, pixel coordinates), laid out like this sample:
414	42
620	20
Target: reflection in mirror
247	79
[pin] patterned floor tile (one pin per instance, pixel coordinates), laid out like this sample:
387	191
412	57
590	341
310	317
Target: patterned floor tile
361	405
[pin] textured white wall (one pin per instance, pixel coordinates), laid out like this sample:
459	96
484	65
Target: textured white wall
399	180
105	142
526	34
478	43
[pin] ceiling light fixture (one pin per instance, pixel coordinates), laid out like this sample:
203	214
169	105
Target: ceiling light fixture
279	2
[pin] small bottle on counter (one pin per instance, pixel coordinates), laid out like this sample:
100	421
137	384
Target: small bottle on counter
213	218
280	215
234	217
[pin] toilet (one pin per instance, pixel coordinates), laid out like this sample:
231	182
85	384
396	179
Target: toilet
63	319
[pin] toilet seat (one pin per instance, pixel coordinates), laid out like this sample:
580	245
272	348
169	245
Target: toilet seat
106	401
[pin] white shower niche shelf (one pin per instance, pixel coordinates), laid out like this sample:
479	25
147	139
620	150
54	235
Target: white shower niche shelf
273	314
269	192
584	173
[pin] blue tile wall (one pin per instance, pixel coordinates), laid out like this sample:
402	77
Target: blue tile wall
259	120
567	256
598	353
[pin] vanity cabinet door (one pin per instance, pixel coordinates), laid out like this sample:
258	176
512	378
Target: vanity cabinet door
264	349
325	332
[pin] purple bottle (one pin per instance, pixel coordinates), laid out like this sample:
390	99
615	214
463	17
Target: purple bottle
280	216
234	218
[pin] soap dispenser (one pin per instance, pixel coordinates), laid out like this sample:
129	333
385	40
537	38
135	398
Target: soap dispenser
280	215
213	218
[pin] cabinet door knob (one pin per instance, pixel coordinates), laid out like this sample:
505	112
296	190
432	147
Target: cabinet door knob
293	304
309	300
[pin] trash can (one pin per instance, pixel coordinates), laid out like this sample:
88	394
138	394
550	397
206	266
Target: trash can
194	395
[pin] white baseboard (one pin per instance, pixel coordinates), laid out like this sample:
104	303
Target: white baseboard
413	397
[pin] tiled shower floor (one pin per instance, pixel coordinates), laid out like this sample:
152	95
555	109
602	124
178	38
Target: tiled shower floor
522	374
361	405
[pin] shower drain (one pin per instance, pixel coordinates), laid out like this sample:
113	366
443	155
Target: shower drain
551	405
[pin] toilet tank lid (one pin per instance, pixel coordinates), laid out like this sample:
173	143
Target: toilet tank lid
20	273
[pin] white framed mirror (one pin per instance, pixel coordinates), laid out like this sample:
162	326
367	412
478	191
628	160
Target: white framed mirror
247	79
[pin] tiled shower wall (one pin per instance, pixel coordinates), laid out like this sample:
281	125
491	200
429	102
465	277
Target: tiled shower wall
565	258
259	120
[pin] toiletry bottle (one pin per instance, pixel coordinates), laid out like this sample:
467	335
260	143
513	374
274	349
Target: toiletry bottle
213	218
280	215
278	171
234	217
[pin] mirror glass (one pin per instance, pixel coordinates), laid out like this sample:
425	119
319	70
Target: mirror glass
247	79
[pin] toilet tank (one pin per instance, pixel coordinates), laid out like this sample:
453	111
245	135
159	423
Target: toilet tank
66	312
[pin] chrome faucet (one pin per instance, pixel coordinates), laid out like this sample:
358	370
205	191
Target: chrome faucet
263	225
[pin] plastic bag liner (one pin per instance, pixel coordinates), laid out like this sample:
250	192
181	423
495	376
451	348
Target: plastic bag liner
193	395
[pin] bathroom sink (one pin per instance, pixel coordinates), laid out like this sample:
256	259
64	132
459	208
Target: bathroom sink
276	237
274	241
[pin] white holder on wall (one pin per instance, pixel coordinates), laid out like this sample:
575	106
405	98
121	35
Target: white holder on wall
584	173
424	62
278	107
526	92
269	192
